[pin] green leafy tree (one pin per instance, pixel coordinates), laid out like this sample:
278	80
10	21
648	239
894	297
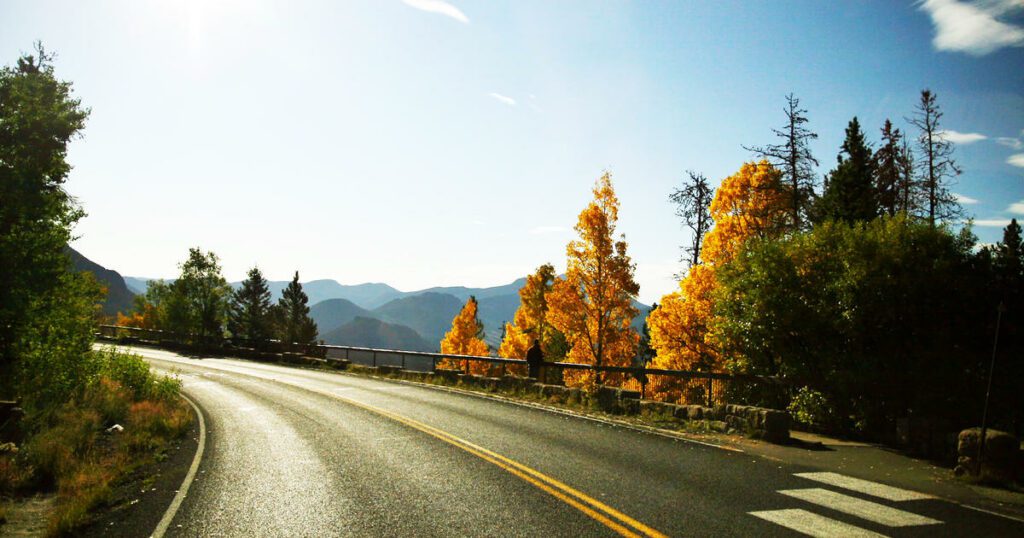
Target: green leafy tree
249	314
198	300
884	319
849	189
292	312
38	118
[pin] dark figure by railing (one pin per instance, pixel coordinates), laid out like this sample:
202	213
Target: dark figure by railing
534	358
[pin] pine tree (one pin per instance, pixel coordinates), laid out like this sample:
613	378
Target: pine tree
793	157
692	203
1009	262
197	302
849	190
292	312
249	315
887	170
936	166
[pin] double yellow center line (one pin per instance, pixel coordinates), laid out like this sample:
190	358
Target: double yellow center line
608	516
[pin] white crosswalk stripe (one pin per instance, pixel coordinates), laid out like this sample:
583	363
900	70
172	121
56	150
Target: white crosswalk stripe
812	524
871	511
867	487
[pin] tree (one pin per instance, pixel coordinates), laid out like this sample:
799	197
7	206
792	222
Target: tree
294	326
530	321
466	337
887	170
198	300
793	157
908	197
38	118
884	318
249	314
849	190
692	203
747	205
593	306
936	165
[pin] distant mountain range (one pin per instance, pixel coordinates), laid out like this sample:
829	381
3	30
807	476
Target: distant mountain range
386	315
119	297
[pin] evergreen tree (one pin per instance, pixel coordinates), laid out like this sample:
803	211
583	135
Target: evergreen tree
908	197
849	191
693	203
293	322
1009	263
887	170
936	165
249	316
793	157
38	118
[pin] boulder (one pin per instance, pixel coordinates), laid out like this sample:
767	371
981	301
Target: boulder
999	462
775	425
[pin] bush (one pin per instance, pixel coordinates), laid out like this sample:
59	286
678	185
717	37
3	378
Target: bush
812	409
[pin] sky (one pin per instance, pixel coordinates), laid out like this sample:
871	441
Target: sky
426	143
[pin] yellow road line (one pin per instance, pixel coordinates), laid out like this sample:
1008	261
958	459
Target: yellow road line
557	489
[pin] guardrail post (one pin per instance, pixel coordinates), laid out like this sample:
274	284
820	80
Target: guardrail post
375	358
403	361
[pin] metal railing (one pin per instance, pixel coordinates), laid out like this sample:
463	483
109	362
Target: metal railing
676	386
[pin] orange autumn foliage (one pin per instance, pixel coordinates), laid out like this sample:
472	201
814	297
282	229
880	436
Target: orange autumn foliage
530	320
465	338
747	204
593	306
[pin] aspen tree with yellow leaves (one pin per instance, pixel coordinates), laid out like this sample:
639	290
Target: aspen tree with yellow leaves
465	338
747	204
593	306
530	321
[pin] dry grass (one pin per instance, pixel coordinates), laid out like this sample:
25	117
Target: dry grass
71	453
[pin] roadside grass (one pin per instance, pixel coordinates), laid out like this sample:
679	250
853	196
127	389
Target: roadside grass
71	450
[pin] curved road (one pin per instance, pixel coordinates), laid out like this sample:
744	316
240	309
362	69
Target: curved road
294	452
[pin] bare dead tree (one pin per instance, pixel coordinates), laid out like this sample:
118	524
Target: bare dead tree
936	167
693	206
793	156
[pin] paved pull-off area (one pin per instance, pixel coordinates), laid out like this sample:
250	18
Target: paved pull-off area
292	452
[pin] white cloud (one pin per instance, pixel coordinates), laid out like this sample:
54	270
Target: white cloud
542	230
1013	143
1017	208
992	223
961	138
971	27
503	98
966	200
439	7
1017	159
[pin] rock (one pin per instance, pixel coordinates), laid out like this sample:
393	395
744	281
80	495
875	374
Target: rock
607	399
116	428
8	448
776	426
999	462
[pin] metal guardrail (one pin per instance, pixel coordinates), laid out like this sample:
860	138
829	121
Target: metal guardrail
683	386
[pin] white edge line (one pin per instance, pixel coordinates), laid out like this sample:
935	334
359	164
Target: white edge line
165	522
991	513
564	412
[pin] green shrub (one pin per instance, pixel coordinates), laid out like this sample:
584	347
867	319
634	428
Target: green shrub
812	409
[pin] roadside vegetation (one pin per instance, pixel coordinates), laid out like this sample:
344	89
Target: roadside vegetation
75	420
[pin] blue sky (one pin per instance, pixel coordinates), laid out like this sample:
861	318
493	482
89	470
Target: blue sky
426	143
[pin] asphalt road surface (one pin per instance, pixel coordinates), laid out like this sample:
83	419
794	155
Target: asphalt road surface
293	452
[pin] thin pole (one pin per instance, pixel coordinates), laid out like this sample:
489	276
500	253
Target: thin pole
988	391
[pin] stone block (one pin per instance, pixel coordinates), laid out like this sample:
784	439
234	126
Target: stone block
999	462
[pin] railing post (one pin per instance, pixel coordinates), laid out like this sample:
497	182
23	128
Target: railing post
403	361
375	358
710	404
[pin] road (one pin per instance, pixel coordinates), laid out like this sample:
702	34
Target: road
293	452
